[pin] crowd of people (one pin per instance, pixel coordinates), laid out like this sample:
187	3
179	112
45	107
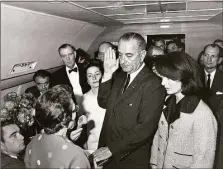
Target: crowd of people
130	106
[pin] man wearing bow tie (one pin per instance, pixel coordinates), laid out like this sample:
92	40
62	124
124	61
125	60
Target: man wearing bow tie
72	73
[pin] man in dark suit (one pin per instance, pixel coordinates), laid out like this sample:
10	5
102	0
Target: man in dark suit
71	74
133	99
12	145
213	77
42	81
213	94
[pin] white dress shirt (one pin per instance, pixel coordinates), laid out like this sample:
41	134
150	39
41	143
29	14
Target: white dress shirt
212	74
134	74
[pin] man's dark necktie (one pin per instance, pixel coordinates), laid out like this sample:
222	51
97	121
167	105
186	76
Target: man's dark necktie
209	81
126	83
73	70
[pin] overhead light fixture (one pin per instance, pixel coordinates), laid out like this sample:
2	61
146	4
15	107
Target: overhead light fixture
164	20
164	26
55	1
116	5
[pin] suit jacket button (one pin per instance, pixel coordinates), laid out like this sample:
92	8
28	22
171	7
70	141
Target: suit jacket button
162	122
113	114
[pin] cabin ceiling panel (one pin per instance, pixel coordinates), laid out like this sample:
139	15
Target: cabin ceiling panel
84	39
114	13
204	5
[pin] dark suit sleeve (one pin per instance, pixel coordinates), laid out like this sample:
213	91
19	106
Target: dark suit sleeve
104	93
150	111
28	90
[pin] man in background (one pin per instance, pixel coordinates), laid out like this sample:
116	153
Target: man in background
159	42
172	46
42	80
213	94
213	77
71	74
102	49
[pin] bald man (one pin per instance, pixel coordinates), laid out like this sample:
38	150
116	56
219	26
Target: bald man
102	48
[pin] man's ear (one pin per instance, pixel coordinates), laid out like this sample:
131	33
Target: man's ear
143	55
220	60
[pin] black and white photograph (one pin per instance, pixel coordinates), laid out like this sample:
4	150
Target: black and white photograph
89	84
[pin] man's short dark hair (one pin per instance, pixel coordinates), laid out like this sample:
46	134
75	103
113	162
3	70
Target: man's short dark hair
158	39
215	46
41	73
3	124
66	45
134	36
180	66
172	41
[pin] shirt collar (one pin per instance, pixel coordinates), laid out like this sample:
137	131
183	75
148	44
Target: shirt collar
212	73
134	74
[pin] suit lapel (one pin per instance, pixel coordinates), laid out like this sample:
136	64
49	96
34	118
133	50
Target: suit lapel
215	82
66	78
133	85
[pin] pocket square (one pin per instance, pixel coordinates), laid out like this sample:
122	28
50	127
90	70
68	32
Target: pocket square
219	93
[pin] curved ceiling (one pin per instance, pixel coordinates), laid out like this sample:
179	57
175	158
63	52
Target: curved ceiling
114	13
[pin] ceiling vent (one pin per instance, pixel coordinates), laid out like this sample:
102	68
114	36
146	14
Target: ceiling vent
163	7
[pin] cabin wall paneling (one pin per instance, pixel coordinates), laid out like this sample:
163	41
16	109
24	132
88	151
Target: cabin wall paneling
19	83
33	36
20	89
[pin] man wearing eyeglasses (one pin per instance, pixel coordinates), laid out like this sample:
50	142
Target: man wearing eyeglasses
42	81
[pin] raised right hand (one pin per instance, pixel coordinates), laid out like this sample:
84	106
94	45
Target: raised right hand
111	64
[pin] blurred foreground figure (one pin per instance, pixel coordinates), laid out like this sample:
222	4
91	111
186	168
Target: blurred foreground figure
55	113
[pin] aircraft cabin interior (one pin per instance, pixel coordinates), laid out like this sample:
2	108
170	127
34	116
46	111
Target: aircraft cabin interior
54	38
32	31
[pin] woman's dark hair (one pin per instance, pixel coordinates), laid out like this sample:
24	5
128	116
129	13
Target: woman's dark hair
54	109
95	63
180	66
